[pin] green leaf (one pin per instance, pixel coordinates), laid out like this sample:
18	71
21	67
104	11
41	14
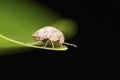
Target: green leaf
8	43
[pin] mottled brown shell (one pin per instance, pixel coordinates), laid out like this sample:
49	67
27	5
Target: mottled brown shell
49	33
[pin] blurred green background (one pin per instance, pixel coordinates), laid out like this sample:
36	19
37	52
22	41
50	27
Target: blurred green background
19	19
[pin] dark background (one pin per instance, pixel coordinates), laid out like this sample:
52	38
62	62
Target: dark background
96	53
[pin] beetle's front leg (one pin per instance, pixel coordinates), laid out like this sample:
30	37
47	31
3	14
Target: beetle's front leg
46	43
52	44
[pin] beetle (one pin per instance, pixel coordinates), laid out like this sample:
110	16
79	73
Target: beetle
50	34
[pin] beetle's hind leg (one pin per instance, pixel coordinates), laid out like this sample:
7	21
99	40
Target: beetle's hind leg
60	44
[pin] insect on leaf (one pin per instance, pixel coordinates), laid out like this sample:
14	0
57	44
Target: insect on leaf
6	44
18	21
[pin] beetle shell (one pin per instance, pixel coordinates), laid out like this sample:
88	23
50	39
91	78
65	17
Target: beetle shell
49	33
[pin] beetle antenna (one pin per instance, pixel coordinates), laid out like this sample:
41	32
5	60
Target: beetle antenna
70	44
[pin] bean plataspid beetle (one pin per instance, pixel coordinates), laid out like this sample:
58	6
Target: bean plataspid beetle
50	34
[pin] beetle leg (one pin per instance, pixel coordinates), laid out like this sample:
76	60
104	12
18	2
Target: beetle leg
46	43
60	45
52	44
